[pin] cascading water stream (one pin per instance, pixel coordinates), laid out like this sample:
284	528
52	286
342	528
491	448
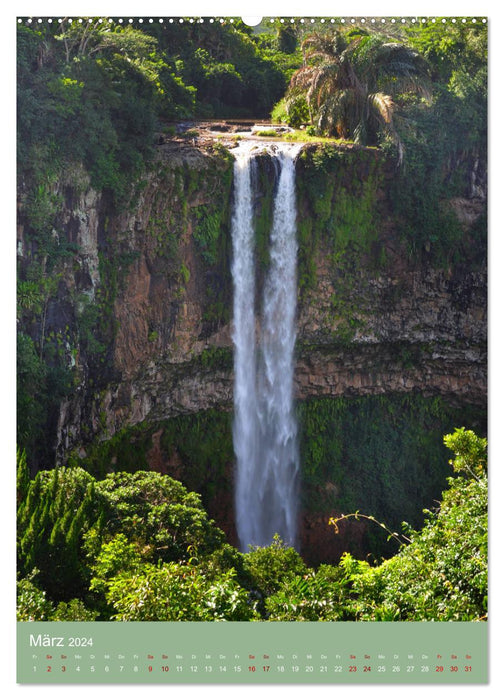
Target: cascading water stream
264	428
244	423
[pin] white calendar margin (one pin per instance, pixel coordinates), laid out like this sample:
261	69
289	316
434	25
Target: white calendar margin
259	8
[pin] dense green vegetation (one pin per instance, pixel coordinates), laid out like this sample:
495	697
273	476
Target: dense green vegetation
115	85
360	84
349	83
378	454
381	455
140	547
420	93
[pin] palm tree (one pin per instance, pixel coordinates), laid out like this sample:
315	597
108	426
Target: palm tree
350	82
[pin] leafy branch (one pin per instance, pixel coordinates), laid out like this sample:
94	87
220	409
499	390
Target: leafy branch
357	516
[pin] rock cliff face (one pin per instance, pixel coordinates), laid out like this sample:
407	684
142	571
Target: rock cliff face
360	332
155	274
416	329
155	289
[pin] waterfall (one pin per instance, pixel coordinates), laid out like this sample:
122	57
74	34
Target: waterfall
264	427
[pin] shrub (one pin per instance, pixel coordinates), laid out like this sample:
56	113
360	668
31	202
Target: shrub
268	567
441	574
176	591
31	601
315	596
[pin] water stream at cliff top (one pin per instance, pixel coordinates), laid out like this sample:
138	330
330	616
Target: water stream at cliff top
264	426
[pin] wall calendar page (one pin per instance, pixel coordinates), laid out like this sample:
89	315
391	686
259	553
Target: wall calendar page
251	350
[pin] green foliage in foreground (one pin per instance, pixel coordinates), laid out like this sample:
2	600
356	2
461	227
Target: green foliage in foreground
442	574
67	516
150	553
183	590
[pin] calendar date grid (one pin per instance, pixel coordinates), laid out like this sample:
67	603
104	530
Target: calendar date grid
212	663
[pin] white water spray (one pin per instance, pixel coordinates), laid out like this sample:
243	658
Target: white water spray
264	428
244	423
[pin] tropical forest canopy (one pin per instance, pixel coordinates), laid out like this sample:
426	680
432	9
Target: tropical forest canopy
116	83
141	547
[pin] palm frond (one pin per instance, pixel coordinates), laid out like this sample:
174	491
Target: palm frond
360	134
320	44
383	105
339	111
